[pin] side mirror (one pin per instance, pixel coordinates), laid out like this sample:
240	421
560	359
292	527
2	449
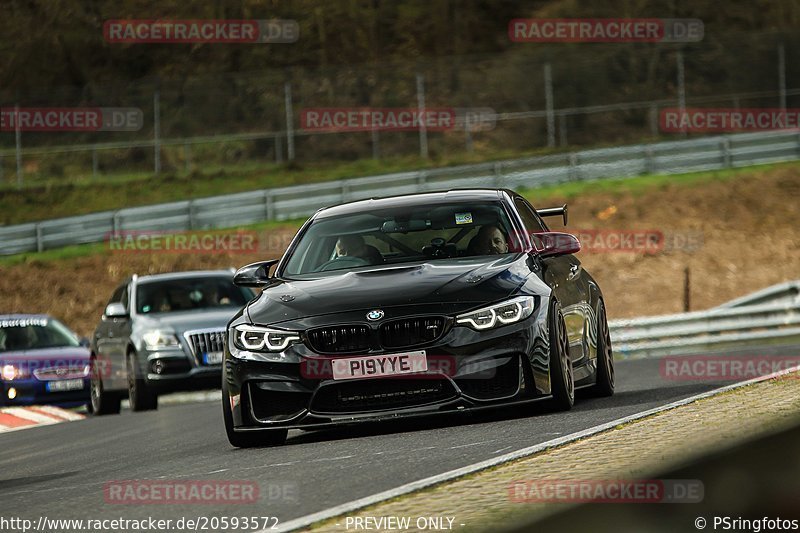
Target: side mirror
553	243
115	310
254	274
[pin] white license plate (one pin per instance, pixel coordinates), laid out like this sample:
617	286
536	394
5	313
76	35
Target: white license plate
67	384
380	365
212	358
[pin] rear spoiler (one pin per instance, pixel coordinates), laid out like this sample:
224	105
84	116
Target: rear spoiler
554	212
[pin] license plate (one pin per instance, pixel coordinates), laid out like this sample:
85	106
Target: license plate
212	358
65	385
379	365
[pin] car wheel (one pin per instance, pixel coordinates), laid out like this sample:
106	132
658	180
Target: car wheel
140	396
273	437
604	386
100	401
562	381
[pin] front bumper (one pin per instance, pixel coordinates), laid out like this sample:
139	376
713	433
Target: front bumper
503	366
170	370
35	392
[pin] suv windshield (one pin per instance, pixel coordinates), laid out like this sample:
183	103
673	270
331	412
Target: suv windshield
17	334
402	235
189	294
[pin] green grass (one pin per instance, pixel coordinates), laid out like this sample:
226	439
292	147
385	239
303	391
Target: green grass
640	184
539	197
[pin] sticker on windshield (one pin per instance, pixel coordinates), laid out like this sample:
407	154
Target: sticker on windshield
463	218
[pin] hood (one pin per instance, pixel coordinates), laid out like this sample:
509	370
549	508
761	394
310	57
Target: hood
453	284
187	320
47	355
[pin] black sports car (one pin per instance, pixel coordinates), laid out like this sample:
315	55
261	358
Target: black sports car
413	305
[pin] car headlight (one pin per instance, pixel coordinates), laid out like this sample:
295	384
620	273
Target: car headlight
259	339
9	372
500	314
155	340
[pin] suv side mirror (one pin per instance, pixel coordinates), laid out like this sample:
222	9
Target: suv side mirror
254	274
554	243
115	310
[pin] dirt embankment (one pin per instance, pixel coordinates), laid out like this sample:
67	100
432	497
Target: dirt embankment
735	236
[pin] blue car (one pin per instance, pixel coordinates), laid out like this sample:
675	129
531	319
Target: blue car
42	362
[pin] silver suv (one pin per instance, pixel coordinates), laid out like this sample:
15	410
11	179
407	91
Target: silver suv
162	333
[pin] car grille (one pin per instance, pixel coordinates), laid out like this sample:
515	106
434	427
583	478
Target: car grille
408	332
353	338
61	372
380	394
205	341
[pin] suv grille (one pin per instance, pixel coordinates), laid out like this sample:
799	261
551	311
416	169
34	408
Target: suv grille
408	332
350	339
205	342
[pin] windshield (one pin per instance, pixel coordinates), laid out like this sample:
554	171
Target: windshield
402	235
19	334
189	294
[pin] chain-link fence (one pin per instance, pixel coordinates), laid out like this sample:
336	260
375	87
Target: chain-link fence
534	98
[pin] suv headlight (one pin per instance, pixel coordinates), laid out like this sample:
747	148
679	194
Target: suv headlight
500	314
158	339
257	339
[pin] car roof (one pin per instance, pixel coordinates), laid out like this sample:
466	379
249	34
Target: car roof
433	198
167	276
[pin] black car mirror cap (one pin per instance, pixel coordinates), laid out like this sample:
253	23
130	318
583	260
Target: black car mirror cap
115	310
554	212
254	274
554	243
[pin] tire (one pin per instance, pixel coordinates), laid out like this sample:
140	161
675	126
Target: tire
101	402
562	380
140	396
604	385
273	437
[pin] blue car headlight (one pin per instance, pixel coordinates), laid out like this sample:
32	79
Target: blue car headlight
499	314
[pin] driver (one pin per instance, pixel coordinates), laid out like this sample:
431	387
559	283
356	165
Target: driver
354	246
490	240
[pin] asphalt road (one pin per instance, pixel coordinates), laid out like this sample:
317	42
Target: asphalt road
60	471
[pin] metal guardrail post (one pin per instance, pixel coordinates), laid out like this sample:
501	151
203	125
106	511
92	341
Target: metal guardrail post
345	191
191	215
726	152
287	89
649	160
498	175
574	172
269	205
422	180
115	229
39	239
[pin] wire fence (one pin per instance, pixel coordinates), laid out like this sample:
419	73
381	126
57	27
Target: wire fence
532	98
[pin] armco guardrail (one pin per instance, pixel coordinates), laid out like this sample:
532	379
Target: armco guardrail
716	329
707	153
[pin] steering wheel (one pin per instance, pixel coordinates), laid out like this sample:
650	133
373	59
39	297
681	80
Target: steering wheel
345	261
438	247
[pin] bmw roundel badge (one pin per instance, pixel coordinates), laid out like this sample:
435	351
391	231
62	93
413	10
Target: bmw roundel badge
375	314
